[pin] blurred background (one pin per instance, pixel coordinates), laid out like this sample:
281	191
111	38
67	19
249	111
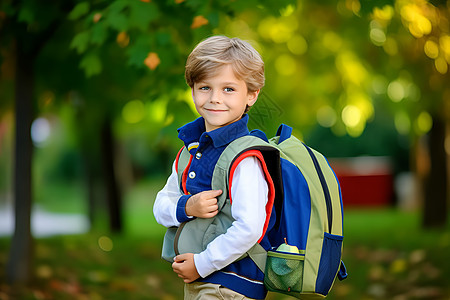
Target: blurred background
92	92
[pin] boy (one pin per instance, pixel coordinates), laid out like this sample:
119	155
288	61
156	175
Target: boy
226	76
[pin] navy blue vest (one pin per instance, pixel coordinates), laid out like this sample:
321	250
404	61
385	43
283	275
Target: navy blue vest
242	276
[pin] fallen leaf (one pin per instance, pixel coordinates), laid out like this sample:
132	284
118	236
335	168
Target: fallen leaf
417	256
429	292
56	285
44	271
97	276
153	281
430	271
376	273
398	266
377	290
199	21
123	285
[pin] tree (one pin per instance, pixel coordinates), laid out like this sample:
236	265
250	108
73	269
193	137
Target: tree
24	34
339	64
416	34
154	35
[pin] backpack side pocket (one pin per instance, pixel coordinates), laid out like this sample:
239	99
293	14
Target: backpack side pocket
329	262
284	272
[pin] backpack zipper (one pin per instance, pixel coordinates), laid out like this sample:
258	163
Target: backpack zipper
177	236
326	192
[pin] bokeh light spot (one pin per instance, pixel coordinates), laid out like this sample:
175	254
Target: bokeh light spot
351	115
105	243
40	131
396	91
377	36
402	122
157	110
379	84
390	46
280	32
431	49
326	116
285	65
332	41
133	112
441	65
444	43
424	122
297	45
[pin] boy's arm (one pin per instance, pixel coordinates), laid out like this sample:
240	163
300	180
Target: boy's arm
249	192
169	207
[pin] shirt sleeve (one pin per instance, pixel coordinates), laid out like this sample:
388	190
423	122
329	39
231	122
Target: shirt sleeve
168	201
249	192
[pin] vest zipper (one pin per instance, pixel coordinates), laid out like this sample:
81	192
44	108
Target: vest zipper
177	236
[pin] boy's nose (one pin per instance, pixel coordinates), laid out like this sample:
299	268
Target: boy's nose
215	97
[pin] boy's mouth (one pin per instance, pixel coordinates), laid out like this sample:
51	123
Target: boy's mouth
215	110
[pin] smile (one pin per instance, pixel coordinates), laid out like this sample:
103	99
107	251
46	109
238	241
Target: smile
215	110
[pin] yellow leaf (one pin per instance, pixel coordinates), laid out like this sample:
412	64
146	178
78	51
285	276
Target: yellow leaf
398	266
199	21
123	39
152	60
97	17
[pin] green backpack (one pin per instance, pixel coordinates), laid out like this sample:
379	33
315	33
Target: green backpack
304	197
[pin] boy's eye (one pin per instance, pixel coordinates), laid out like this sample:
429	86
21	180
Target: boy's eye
204	88
228	89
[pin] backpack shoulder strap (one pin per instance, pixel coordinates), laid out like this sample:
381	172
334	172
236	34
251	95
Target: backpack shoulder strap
269	157
182	163
223	168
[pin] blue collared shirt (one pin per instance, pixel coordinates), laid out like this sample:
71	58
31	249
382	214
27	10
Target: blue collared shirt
206	147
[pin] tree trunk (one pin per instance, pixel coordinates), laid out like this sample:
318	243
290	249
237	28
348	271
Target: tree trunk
20	256
113	194
435	204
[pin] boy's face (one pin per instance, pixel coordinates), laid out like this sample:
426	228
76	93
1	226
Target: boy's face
221	99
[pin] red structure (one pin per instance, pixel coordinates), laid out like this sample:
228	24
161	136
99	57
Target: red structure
365	181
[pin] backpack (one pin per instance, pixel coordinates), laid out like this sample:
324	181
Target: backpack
304	211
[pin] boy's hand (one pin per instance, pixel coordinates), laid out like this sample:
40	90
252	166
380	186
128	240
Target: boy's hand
203	204
184	266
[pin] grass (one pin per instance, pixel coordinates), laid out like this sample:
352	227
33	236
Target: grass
387	254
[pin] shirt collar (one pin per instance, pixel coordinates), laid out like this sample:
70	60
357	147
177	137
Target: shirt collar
191	132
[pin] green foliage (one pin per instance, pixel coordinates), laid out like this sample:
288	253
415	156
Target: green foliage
80	10
141	15
367	7
80	41
91	64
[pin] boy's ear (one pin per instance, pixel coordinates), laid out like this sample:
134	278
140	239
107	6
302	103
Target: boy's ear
252	97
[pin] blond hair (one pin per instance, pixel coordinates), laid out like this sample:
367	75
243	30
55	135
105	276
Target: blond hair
216	51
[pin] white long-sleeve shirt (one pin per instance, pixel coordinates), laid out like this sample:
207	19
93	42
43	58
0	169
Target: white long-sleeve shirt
249	192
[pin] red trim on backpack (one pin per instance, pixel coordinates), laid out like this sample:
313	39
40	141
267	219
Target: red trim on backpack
271	194
178	158
184	175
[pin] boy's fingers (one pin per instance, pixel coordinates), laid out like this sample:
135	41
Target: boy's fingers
212	193
178	258
211	214
211	202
